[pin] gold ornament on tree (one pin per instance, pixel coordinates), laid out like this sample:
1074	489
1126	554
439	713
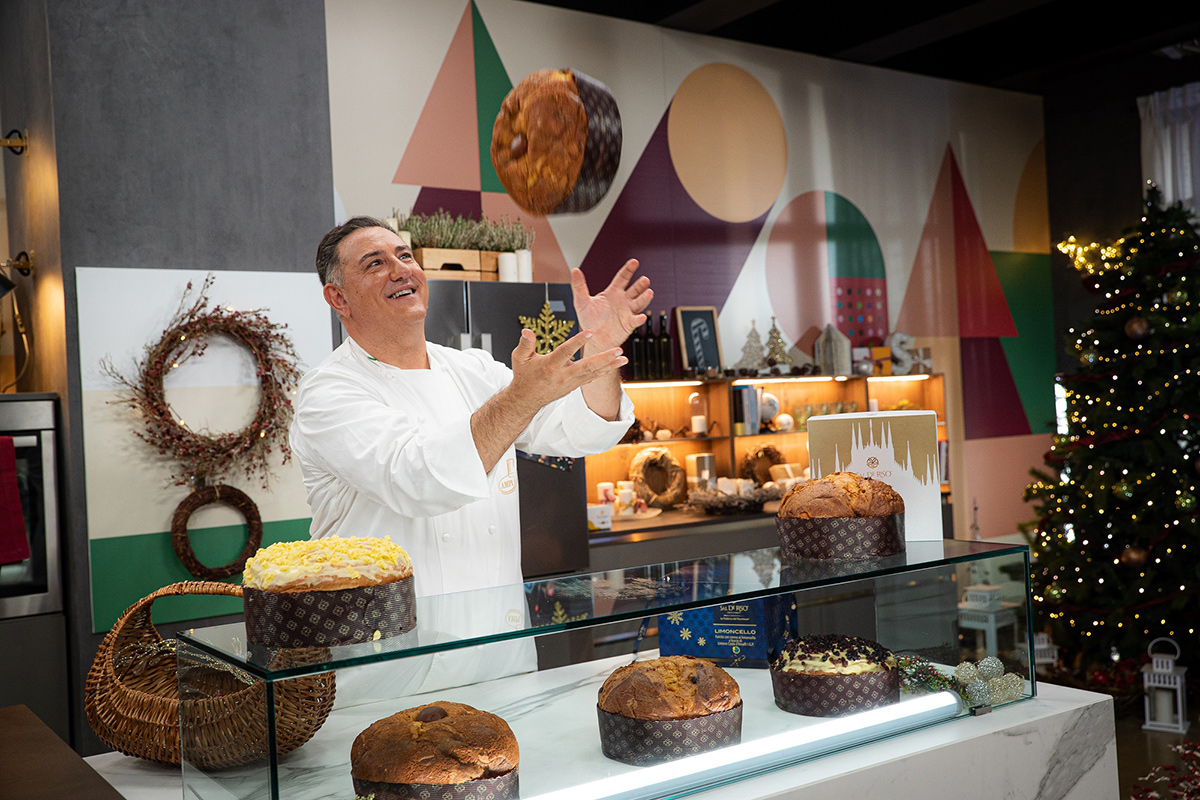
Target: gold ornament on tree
549	329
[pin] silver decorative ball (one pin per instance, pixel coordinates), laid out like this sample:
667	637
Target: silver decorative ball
990	668
978	694
965	672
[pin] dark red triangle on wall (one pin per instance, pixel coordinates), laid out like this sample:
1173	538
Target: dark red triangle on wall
690	256
991	404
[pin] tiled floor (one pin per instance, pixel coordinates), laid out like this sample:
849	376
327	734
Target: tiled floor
1138	750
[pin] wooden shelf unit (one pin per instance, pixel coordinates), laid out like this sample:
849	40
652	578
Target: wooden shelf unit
666	403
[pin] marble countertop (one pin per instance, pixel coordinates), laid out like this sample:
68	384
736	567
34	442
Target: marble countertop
1057	745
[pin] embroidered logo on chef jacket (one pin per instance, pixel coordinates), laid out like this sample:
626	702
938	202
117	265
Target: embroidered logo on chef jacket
508	483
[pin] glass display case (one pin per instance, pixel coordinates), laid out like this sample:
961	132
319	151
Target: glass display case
482	648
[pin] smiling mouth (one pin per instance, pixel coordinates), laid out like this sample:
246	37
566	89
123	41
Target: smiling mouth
401	293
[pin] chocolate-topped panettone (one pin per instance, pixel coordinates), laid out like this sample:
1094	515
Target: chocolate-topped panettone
442	749
829	675
669	707
840	516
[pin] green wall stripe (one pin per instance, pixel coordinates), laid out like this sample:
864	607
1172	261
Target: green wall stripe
492	84
127	568
1025	278
853	247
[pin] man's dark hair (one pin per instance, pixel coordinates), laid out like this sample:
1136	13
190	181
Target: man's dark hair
329	267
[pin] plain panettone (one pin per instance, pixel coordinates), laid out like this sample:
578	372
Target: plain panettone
669	688
539	139
437	743
841	494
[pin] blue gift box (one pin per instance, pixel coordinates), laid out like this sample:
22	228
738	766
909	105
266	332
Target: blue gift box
742	634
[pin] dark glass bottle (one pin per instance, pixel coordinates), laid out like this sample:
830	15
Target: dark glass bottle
666	353
650	353
637	356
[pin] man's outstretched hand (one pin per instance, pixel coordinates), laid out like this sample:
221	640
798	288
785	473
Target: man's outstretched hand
613	314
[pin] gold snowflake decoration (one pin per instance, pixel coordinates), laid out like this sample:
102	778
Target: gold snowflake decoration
560	615
702	641
549	329
685	634
675	617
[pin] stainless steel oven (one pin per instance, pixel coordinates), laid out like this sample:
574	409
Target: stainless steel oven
33	586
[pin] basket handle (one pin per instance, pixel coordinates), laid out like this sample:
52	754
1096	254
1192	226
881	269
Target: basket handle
142	607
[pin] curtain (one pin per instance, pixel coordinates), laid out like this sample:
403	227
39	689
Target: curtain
1171	142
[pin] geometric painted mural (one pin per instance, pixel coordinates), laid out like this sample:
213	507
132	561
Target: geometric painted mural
955	290
448	154
824	265
699	193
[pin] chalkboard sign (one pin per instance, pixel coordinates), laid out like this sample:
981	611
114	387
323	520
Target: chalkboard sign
699	345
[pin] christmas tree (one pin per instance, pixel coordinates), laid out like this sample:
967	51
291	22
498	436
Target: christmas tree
1116	544
752	352
776	349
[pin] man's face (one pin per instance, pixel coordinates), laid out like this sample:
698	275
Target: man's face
383	288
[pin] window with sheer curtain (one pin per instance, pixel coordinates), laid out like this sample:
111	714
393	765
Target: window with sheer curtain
1171	142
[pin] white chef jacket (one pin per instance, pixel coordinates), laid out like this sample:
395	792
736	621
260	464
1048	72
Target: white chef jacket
386	451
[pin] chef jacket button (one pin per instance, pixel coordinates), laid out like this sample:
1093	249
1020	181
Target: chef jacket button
445	537
492	530
420	418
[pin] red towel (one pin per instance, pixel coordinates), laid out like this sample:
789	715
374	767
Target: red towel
14	544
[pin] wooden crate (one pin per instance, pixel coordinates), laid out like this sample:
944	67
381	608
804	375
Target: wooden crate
439	259
460	275
489	260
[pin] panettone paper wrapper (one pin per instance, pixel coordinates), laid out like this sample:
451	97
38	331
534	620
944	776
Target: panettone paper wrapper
601	151
502	787
834	695
329	618
840	538
642	742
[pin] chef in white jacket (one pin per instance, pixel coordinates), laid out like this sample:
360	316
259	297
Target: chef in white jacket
400	437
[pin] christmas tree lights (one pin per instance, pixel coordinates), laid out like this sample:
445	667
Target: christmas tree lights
1117	505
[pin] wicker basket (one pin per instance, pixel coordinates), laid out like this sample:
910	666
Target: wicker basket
132	696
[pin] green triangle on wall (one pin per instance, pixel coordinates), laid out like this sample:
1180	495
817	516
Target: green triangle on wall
492	84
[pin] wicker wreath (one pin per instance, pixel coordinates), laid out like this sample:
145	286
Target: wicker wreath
757	463
204	457
208	495
657	477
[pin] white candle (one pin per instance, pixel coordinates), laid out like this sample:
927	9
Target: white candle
507	265
605	492
1164	707
699	424
524	266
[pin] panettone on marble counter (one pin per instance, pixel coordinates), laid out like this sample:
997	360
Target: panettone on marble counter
831	675
669	707
437	750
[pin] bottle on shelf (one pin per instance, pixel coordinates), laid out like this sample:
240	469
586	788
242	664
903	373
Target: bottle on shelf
637	355
666	354
649	351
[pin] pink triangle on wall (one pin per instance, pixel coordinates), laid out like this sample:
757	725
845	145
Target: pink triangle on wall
930	306
982	307
443	150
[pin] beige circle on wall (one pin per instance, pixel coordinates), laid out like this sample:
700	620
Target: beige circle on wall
727	142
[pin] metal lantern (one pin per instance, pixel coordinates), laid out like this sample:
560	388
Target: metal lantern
1045	651
1166	692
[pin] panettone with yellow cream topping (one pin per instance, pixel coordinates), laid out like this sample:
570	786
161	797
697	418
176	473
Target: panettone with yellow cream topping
326	592
327	564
